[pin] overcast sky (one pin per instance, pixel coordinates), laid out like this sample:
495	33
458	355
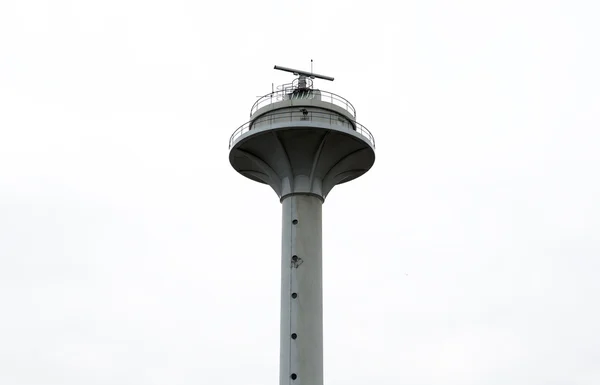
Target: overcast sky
131	253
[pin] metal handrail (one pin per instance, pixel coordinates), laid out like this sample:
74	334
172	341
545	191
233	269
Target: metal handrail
302	116
283	94
288	87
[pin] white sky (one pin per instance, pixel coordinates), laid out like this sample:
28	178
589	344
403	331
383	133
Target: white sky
131	253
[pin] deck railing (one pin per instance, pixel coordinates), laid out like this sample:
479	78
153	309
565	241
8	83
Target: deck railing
287	93
294	116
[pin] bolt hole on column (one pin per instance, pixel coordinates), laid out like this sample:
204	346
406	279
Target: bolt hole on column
294	376
295	222
294	336
294	295
294	258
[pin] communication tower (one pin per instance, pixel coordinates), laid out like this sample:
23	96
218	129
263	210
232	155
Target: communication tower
302	142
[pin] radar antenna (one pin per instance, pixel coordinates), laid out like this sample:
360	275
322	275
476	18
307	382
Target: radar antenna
303	74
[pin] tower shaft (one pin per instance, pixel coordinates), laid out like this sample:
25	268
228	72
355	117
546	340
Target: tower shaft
301	344
302	142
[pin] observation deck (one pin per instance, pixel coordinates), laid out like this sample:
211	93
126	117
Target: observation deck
302	140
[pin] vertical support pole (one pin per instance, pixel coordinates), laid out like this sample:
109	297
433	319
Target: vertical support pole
301	340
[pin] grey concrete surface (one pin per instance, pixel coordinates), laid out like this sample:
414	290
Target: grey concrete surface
301	291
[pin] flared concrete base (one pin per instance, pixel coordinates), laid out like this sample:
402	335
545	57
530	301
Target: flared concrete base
297	158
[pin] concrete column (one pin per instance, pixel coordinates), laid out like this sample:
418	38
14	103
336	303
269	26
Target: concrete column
301	344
